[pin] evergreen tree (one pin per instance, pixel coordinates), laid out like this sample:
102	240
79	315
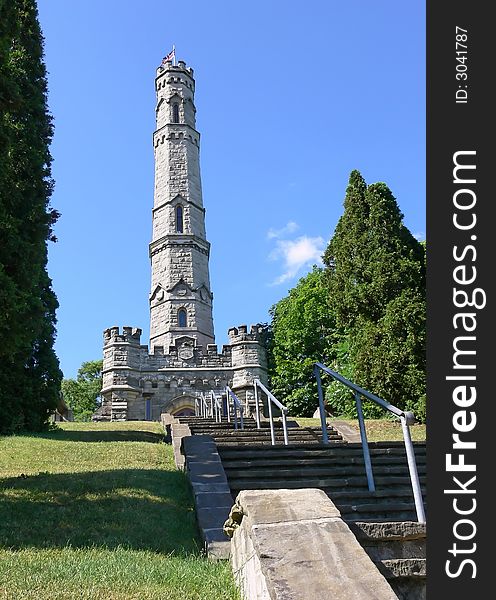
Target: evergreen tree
29	373
376	280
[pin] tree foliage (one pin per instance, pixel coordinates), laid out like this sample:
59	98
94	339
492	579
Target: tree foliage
29	371
302	333
376	279
363	315
82	394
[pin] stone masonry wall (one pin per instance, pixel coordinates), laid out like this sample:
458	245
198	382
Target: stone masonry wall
172	380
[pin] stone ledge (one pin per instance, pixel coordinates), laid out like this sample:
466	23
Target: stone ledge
347	432
392	530
312	554
211	492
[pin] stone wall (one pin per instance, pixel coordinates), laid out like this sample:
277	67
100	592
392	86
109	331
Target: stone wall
294	544
171	378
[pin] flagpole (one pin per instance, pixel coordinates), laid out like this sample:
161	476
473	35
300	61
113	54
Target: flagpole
174	51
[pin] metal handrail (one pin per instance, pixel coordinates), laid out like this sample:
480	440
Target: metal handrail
215	407
407	418
271	399
201	408
236	406
208	405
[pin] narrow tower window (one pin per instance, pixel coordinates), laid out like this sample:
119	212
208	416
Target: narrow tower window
179	219
175	112
182	318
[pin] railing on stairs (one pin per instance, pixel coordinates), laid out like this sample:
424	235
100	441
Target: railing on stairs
271	399
236	406
215	407
208	405
407	418
201	406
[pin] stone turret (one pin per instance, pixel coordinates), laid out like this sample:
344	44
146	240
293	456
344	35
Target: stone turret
249	360
121	366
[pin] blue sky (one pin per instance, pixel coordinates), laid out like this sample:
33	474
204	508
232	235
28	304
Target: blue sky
290	98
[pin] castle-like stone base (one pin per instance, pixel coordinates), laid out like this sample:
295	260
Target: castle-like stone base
138	385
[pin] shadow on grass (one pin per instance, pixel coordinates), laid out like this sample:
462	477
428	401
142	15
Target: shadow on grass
117	435
133	508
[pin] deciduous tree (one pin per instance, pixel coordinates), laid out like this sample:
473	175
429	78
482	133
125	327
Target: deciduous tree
302	333
82	394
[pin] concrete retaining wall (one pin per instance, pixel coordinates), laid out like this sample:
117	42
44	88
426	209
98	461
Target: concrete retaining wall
293	545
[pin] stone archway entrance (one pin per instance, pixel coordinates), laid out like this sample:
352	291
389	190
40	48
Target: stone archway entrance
181	406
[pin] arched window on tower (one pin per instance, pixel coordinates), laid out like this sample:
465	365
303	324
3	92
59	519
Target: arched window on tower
182	318
179	219
175	112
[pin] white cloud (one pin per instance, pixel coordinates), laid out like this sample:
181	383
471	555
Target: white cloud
420	235
296	254
290	227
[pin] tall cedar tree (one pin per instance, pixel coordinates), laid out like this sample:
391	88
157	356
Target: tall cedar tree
29	370
376	279
302	333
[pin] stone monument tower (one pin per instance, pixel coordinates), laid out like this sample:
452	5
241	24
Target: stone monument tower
180	298
182	361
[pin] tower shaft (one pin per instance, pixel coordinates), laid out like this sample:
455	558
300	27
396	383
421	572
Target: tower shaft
180	297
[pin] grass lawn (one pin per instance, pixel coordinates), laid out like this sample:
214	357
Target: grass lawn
99	511
378	430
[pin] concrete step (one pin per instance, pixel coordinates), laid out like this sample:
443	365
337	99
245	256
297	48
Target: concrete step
384	541
263	443
257	435
407	577
238	462
328	482
378	510
333	452
355	494
376	448
293	471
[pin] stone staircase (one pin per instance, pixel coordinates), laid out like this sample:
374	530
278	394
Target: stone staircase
399	551
337	469
383	521
225	434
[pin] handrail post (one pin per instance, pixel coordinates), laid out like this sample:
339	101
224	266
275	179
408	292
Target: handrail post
285	428
412	467
257	413
218	410
272	436
365	444
325	437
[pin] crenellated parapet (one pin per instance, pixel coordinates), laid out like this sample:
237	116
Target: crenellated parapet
249	359
180	73
129	335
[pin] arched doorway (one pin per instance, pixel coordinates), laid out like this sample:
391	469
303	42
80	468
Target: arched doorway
180	406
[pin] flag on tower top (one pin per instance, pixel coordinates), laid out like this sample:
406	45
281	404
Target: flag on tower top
170	56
